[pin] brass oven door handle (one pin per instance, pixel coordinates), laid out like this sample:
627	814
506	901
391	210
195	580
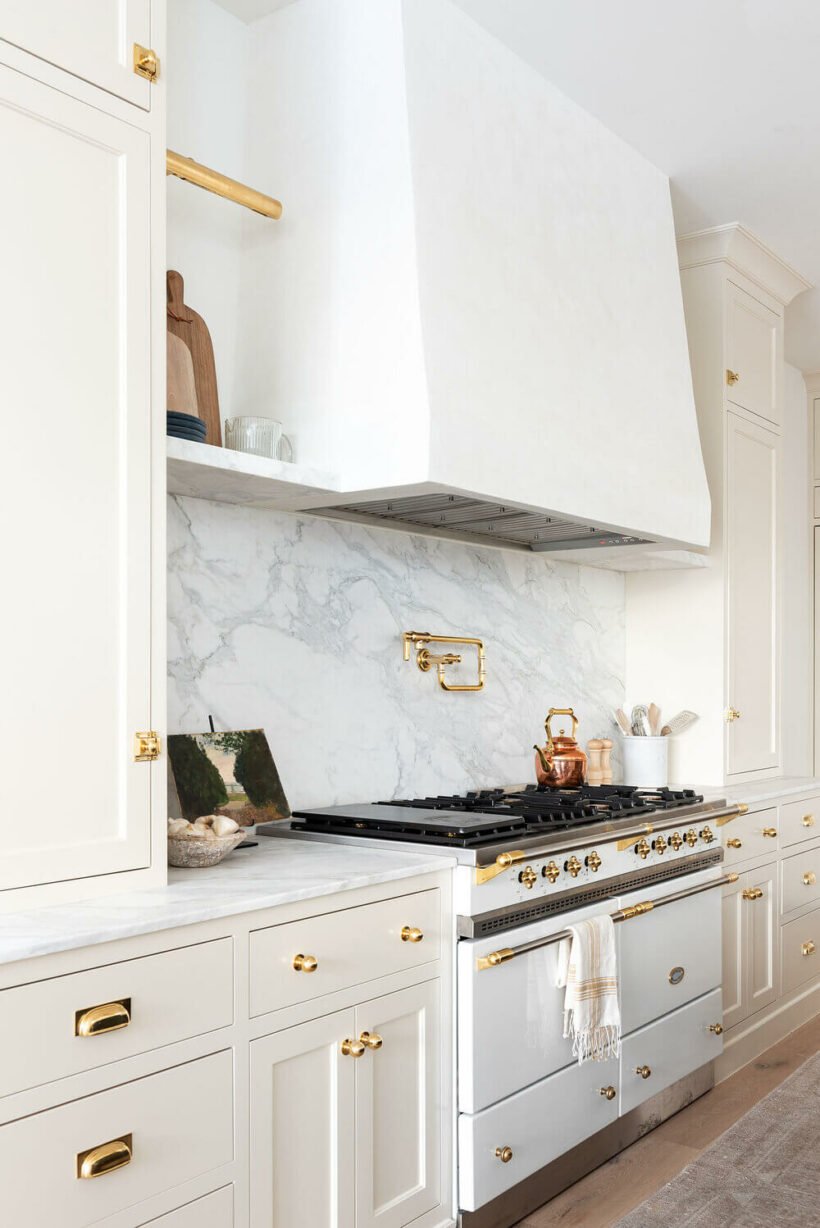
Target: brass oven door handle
107	1158
107	1017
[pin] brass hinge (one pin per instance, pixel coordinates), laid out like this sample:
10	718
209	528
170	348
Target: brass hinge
146	62
146	746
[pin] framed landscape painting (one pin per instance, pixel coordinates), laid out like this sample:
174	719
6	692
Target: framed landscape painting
225	773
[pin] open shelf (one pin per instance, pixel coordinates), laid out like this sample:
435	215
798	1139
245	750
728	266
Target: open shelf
224	476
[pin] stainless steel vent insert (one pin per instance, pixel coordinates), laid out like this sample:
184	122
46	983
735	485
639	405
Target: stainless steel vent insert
479	520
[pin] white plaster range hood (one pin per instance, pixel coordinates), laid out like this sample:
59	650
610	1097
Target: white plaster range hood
481	303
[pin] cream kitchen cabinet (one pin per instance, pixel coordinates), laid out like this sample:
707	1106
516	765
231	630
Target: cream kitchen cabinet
346	1116
754	354
751	948
91	39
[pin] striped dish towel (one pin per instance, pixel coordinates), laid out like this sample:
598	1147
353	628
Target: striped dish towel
587	967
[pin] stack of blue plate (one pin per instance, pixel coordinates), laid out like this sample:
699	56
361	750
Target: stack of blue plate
185	426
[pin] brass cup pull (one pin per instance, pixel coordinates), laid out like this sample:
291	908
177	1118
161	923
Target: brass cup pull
732	377
305	963
643	1071
371	1040
146	62
808	948
106	1158
808	820
810	878
770	832
752	893
608	1092
353	1048
717	1028
409	933
504	1154
107	1017
734	843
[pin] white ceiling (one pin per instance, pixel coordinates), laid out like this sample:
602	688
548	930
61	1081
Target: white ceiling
722	95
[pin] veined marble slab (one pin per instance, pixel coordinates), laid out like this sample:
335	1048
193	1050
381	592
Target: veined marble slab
277	872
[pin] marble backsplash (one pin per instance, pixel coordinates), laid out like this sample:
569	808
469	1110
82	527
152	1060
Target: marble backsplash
293	623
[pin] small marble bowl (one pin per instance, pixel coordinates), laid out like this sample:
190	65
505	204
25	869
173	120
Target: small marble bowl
199	852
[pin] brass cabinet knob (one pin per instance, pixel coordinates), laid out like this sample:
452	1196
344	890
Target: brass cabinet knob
808	948
371	1040
574	866
691	837
409	933
659	845
528	877
108	1017
642	849
106	1158
676	840
732	714
353	1048
504	1154
305	963
770	832
608	1092
732	377
707	835
808	820
752	893
643	1071
551	871
593	861
717	1028
810	878
734	843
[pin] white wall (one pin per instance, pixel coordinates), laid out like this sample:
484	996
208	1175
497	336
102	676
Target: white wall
798	650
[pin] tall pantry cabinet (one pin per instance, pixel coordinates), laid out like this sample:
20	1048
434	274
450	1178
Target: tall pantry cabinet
709	639
82	615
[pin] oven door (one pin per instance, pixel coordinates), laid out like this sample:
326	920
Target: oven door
510	1017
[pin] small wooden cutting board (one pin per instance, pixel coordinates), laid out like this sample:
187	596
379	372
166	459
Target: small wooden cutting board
193	331
181	393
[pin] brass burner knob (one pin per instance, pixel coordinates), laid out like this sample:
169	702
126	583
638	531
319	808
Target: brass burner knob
528	877
593	861
551	871
691	837
642	849
707	835
659	845
574	866
608	1092
676	840
643	1071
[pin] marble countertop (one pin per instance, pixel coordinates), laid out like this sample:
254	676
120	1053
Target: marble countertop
276	872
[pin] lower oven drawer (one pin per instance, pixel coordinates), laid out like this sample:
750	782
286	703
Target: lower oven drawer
657	1056
536	1126
671	955
177	1125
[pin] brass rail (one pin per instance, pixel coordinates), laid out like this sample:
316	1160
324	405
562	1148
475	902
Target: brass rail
502	956
221	185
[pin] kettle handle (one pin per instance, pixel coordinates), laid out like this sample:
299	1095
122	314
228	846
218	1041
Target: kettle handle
558	712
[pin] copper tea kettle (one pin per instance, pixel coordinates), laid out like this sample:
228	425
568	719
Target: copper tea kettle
561	763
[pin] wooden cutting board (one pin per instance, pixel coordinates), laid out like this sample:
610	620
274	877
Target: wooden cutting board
193	331
181	393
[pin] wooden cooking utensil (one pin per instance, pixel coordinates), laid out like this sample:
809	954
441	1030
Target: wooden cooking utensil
623	722
654	720
192	329
181	392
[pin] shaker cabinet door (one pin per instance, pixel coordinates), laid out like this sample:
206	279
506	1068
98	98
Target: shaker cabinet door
751	947
75	495
91	39
754	355
753	629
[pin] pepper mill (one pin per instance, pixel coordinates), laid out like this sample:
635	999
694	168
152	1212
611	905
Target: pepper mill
606	761
594	771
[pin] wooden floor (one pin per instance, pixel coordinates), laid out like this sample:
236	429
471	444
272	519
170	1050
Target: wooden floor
600	1199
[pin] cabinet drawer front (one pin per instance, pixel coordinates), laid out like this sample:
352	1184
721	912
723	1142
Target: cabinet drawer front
801	950
537	1125
348	948
669	1049
168	997
801	880
799	821
178	1123
213	1211
748	830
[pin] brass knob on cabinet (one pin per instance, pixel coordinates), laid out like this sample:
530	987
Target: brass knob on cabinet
305	963
608	1092
371	1040
732	377
707	835
734	843
593	861
409	933
676	840
504	1154
770	832
810	878
732	714
108	1017
642	849
551	871
808	820
106	1158
528	877
643	1071
752	893
808	948
717	1028
574	866
353	1048
691	837
659	845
